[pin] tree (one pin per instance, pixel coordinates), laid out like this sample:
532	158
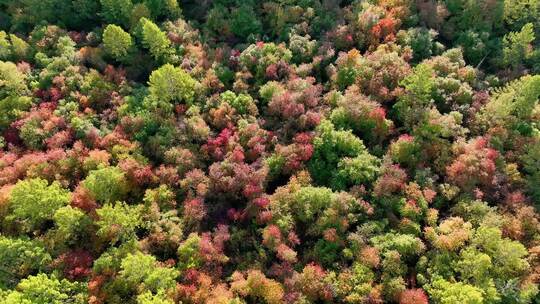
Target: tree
155	41
20	48
107	184
511	106
360	170
295	104
20	258
33	202
517	46
474	166
471	259
188	253
413	296
269	151
413	105
421	40
302	47
508	257
518	12
257	58
408	246
356	283
298	204
119	222
244	22
42	288
531	167
149	298
378	74
257	286
169	85
451	234
140	271
444	292
116	11
116	41
5	51
242	103
13	48
365	117
167	8
333	152
71	223
14	99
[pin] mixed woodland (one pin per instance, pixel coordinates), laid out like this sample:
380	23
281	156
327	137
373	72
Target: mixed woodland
269	151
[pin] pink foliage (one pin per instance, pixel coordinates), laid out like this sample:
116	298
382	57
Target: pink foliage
392	180
413	296
474	166
77	264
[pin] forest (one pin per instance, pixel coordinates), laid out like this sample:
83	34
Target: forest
269	151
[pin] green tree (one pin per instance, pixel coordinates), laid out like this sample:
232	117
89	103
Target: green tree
141	270
531	167
360	170
33	202
188	253
116	41
70	223
517	46
421	40
333	152
13	48
106	184
444	292
149	298
317	207
119	222
242	103
512	105
309	201
156	41
19	47
355	284
20	258
116	11
169	85
44	289
518	12
14	99
5	46
508	257
244	22
167	8
408	246
413	106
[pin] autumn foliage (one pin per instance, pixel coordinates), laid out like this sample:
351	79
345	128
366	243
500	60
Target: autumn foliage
277	151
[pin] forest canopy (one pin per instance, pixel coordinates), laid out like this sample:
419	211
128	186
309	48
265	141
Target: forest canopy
272	151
